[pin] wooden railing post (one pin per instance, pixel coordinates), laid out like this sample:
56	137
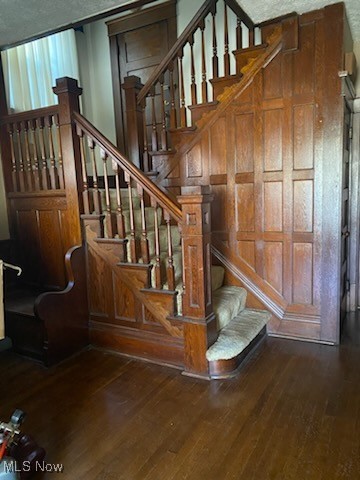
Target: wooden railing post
199	320
134	120
68	92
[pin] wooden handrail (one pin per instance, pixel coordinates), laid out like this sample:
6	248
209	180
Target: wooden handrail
203	11
29	115
151	188
240	13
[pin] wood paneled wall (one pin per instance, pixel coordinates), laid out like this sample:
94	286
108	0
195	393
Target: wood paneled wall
273	160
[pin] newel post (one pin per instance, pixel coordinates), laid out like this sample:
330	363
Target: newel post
134	120
199	320
68	92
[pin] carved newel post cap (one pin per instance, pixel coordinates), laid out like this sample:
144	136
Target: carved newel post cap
200	192
67	85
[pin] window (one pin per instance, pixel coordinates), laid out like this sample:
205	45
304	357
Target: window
31	69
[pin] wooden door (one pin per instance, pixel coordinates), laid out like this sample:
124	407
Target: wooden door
345	214
138	43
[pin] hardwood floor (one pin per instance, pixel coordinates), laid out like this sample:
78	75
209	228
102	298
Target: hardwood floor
292	413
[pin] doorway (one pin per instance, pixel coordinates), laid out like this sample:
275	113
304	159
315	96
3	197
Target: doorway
138	43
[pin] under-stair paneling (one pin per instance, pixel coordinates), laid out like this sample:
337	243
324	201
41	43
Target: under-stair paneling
43	237
265	166
119	318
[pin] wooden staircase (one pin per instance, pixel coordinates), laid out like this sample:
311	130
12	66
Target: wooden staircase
153	291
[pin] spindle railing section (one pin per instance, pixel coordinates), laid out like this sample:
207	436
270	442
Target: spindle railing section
143	217
182	80
36	153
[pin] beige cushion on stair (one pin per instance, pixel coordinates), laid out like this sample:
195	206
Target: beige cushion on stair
217	277
234	338
228	302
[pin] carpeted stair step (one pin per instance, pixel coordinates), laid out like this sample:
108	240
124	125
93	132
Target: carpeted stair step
228	302
124	193
217	280
238	334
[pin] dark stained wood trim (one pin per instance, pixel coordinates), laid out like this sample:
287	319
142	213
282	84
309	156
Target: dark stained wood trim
119	109
332	173
142	18
279	19
275	305
29	114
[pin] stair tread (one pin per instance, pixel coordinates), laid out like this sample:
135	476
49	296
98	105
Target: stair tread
238	334
228	302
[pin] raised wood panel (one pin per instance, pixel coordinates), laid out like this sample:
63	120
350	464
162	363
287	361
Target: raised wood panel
124	302
273	124
52	248
244	143
273	206
194	161
245	208
99	285
303	129
219	208
246	250
303	205
218	150
273	264
304	61
43	237
303	273
272	79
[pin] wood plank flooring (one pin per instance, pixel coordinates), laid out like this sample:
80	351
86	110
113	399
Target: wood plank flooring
291	414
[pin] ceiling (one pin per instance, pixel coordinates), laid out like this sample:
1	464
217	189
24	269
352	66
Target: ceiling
24	19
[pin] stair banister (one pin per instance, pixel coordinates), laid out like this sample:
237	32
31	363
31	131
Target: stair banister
207	7
134	172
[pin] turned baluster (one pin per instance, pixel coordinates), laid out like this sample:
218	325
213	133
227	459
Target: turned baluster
182	91
28	171
170	271
193	75
95	191
22	181
146	162
45	179
145	254
60	156
133	240
154	142
251	37
119	212
14	173
37	167
158	280
163	117
109	217
226	43
215	60
85	184
238	34
173	121
54	178
204	86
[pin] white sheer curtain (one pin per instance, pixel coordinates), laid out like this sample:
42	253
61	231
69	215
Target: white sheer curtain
30	70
